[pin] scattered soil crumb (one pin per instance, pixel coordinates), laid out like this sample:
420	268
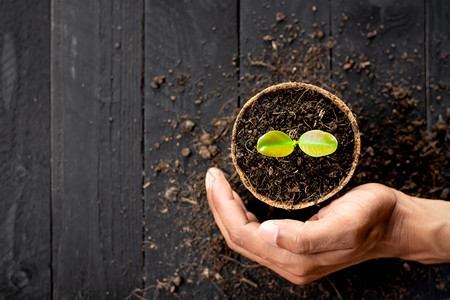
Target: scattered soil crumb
158	81
280	17
186	152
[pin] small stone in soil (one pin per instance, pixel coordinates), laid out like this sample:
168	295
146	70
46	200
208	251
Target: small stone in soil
407	267
213	150
207	139
347	66
205	273
188	126
158	81
204	152
186	152
280	17
320	34
177	280
370	151
364	64
171	193
268	38
371	35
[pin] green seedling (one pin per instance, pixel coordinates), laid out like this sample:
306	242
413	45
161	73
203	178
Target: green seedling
315	143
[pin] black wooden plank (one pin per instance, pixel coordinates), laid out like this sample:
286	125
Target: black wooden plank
96	151
192	45
378	62
279	40
279	29
25	253
380	56
379	43
438	66
438	106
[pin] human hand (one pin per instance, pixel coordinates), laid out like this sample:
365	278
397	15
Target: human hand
359	226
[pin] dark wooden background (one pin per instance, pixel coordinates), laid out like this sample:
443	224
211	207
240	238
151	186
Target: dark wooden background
79	121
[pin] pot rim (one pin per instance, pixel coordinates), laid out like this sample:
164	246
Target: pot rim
336	101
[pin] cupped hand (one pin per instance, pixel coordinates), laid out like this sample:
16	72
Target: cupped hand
352	229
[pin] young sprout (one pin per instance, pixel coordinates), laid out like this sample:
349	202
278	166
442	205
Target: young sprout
315	143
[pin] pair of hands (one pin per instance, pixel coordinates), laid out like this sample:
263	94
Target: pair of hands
364	224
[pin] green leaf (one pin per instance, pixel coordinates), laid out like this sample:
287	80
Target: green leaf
275	144
317	143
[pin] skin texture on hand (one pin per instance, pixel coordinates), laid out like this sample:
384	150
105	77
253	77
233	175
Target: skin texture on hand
366	223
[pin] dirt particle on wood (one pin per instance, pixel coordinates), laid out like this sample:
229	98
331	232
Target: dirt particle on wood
207	139
280	17
158	81
188	126
171	193
186	152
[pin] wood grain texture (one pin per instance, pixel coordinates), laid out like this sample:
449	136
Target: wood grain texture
379	63
258	19
191	44
438	65
384	37
81	119
97	161
25	249
293	26
438	95
380	55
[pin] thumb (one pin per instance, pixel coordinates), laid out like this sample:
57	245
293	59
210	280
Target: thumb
215	178
307	237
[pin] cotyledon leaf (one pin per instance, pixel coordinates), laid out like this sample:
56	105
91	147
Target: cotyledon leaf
275	144
317	143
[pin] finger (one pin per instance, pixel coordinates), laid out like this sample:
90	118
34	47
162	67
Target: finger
326	234
250	215
331	229
242	235
314	217
281	270
222	191
219	191
231	211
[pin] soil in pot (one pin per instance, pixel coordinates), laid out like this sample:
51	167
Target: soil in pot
297	180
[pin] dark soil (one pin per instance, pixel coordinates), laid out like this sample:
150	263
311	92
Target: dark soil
298	177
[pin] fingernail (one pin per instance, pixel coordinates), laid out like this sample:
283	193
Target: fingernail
210	178
268	231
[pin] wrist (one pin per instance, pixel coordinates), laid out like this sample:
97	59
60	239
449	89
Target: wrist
419	230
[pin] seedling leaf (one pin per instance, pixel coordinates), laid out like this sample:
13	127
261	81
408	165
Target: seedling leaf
275	144
317	143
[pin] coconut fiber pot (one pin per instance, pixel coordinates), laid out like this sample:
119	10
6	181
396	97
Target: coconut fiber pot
297	180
